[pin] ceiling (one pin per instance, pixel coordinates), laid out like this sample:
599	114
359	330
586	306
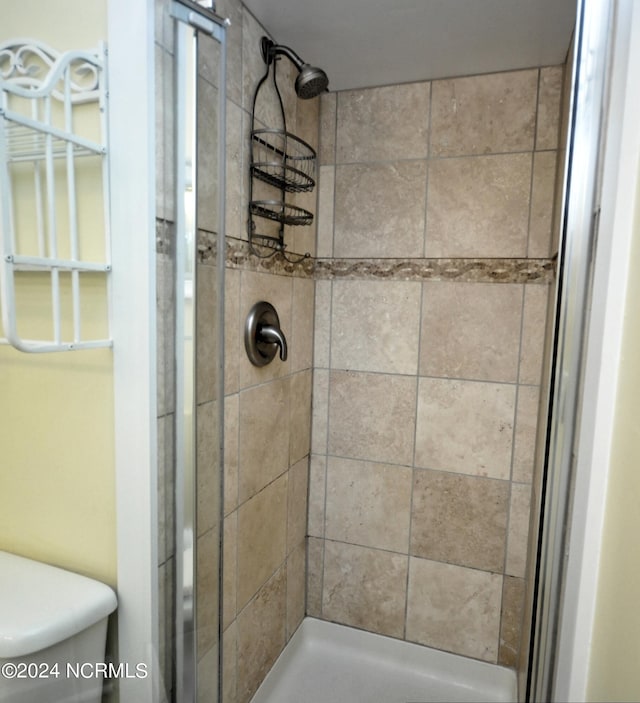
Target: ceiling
362	43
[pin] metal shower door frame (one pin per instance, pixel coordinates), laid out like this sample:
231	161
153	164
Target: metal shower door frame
591	283
195	18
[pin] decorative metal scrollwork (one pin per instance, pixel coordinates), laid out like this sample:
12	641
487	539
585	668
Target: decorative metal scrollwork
33	69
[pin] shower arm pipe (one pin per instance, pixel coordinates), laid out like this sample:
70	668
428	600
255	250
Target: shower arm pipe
270	50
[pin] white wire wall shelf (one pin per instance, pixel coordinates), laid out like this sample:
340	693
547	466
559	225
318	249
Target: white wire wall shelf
54	200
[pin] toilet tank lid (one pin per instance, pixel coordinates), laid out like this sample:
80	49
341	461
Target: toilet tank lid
41	605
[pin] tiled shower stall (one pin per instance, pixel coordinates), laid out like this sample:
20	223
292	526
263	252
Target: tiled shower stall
431	299
382	476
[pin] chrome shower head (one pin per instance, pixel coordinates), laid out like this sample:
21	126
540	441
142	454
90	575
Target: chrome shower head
310	82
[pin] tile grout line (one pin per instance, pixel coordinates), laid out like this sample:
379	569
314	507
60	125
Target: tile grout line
413	465
427	162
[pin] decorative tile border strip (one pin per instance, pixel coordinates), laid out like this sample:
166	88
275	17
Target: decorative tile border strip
471	270
207	247
239	256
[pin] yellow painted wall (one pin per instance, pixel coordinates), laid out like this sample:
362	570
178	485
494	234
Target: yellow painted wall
614	671
57	476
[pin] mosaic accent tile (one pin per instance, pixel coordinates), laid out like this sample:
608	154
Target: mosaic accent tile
207	247
474	270
239	255
471	270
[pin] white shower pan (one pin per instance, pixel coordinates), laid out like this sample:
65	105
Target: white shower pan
329	663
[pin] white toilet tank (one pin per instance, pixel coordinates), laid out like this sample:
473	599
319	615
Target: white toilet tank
53	626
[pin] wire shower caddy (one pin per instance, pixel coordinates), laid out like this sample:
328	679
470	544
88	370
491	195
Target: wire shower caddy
286	163
53	117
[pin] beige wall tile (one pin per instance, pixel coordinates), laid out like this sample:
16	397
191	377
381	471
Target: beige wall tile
233	10
166	488
264	424
471	330
231	451
327	149
369	128
525	435
297	504
320	411
375	326
261	635
166	599
232	329
511	621
207	571
317	492
379	209
484	114
209	59
230	663
542	197
365	588
478	206
230	569
460	519
207	334
534	324
315	566
558	195
301	338
372	416
549	99
465	426
518	529
208	469
166	320
207	202
236	163
300	416
208	676
295	588
326	194
368	504
276	290
454	608
322	327
307	128
308	120
262	538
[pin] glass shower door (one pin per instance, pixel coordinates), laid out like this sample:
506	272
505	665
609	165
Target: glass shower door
199	55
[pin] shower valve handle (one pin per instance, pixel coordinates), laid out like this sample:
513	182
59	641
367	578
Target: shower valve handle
274	335
263	336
